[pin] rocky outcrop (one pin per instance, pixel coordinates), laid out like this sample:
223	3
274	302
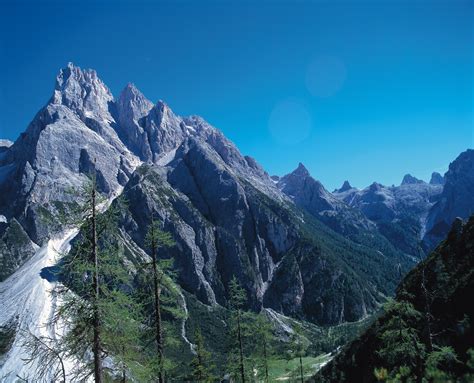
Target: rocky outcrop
311	195
71	135
398	211
456	200
436	179
15	247
408	179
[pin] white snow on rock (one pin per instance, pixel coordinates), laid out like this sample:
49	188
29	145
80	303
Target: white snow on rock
26	302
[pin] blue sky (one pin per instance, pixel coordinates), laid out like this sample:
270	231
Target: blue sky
359	90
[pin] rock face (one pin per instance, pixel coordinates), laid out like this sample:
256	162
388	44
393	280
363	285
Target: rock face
226	226
15	247
345	187
408	179
436	179
456	200
399	211
57	150
311	195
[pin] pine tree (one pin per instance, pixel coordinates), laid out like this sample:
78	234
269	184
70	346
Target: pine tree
156	239
263	350
237	300
201	363
402	351
93	290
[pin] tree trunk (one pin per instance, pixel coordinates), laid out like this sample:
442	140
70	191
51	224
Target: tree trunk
96	347
239	335
266	360
157	293
301	369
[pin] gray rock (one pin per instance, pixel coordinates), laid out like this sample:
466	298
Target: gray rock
408	179
456	200
398	211
311	195
436	179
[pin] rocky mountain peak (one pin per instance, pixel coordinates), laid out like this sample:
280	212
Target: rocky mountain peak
456	200
132	104
81	91
436	179
408	179
345	187
301	171
375	186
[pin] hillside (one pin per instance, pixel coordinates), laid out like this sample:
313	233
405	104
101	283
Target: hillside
428	330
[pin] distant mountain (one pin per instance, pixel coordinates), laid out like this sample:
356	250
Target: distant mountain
398	211
408	179
437	179
430	325
311	195
456	200
345	187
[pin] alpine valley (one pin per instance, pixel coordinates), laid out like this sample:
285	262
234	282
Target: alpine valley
318	266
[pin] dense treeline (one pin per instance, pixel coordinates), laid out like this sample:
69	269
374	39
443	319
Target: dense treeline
426	333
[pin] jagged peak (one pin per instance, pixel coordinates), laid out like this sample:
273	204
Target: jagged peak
345	186
436	179
72	71
301	171
375	186
79	88
132	95
408	179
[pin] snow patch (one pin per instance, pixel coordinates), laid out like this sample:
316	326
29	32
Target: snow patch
25	300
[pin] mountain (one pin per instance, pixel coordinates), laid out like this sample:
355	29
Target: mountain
345	187
227	215
432	312
310	194
436	179
408	179
398	211
297	249
456	200
226	226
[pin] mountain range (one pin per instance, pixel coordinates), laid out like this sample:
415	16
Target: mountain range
296	248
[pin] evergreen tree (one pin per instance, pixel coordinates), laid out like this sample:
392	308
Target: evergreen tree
236	359
401	351
262	342
201	364
93	291
157	270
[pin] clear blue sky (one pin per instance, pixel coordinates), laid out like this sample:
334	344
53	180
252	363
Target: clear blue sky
358	90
